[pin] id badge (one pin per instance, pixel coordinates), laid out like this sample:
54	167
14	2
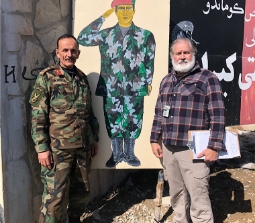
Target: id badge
166	111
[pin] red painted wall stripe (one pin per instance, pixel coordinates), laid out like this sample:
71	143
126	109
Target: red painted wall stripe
247	114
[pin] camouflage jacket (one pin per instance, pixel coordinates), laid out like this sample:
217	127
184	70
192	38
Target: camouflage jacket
62	114
127	63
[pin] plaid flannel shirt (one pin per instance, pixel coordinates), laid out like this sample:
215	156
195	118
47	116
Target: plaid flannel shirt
195	102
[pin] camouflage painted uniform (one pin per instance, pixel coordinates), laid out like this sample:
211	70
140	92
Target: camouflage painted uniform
127	66
64	123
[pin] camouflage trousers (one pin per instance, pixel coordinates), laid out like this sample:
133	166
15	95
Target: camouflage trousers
69	173
123	116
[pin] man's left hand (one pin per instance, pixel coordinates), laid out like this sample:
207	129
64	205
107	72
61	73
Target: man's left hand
209	154
94	149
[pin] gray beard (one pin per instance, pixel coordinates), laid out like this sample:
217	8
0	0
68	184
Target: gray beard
184	67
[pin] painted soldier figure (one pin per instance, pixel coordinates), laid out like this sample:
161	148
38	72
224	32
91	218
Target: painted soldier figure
127	66
65	133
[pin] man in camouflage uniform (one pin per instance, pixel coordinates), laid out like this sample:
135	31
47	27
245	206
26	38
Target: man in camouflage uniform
65	132
127	66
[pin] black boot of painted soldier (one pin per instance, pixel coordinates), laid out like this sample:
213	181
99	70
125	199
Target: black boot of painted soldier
129	156
117	152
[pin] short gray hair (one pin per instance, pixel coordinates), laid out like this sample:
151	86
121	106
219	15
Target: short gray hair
191	43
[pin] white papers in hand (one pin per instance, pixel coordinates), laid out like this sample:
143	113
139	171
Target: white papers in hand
199	141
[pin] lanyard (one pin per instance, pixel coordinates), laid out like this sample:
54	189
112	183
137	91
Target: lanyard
173	86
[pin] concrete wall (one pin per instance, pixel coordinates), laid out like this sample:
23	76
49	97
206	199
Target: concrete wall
29	32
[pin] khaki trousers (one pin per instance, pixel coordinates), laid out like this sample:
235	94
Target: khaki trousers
188	186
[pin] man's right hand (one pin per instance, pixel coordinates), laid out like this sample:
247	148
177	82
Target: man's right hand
45	159
108	13
157	150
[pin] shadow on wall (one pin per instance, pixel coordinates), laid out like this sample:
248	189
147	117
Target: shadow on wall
1	214
32	160
104	140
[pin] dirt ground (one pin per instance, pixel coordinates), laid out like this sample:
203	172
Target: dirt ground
232	193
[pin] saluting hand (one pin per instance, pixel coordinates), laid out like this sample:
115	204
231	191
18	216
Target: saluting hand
45	159
108	13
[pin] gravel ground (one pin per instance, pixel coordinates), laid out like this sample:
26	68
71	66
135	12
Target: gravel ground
232	192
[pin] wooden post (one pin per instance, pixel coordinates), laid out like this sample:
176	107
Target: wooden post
159	193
